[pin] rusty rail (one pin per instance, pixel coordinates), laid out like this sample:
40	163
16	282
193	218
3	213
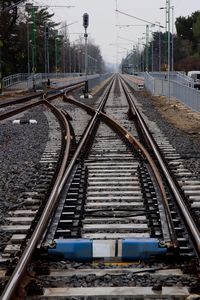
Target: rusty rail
179	199
20	269
113	123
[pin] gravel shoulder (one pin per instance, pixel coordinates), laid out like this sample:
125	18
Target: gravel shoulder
21	146
179	123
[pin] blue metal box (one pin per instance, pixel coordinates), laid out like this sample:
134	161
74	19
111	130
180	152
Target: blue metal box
72	249
141	249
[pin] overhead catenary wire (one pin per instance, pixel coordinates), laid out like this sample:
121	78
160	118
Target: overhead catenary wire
137	18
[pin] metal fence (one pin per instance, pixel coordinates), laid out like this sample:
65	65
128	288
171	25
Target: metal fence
23	81
181	91
14	79
34	81
60	75
96	79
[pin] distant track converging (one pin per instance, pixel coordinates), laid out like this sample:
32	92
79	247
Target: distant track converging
114	200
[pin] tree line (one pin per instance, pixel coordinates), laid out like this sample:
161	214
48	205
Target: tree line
30	41
185	45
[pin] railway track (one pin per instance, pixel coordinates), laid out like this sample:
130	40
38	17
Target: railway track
118	216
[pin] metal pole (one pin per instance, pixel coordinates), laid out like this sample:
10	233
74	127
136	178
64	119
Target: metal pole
147	48
1	45
152	58
1	87
45	51
48	79
172	7
159	49
169	61
28	51
74	59
86	65
56	56
64	54
33	47
166	15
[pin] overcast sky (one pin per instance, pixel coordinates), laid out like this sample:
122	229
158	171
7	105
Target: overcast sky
103	20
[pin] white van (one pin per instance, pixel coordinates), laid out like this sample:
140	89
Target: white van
195	75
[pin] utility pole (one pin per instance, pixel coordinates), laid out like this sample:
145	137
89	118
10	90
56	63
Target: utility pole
147	48
172	7
33	46
169	60
1	45
57	39
46	42
85	25
152	55
160	62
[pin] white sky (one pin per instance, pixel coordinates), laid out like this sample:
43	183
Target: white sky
103	20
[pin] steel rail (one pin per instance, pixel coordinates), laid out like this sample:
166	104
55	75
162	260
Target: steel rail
134	142
38	94
179	199
51	203
149	140
39	102
96	113
20	269
19	110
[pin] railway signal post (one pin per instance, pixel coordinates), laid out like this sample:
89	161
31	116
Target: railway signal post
85	25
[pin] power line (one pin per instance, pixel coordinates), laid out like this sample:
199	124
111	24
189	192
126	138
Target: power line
119	37
131	16
13	6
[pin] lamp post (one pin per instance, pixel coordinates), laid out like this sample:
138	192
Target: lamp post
85	25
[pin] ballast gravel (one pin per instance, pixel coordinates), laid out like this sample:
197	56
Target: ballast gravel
186	145
21	146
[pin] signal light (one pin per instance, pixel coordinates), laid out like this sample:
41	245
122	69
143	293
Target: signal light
85	20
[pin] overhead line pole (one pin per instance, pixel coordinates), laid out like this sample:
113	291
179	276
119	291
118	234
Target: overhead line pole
147	48
169	40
